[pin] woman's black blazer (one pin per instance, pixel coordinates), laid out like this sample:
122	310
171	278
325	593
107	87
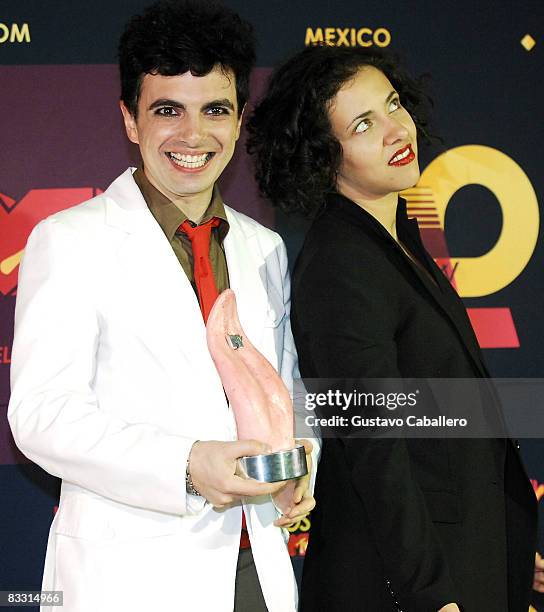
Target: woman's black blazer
402	524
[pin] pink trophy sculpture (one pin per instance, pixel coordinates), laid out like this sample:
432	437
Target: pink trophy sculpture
261	403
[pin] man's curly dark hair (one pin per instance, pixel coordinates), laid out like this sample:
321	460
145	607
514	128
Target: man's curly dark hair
296	155
172	37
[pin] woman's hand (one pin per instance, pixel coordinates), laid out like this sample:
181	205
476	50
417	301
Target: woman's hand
303	502
538	580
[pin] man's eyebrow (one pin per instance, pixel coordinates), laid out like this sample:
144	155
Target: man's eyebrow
222	102
177	104
392	94
166	102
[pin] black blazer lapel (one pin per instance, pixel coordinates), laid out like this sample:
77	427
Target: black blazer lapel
440	291
443	293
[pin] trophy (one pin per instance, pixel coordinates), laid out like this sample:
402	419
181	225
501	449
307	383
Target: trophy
261	403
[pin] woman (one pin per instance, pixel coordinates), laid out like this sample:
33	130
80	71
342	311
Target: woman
400	524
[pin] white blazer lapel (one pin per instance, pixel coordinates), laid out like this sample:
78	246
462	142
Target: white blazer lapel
167	305
247	276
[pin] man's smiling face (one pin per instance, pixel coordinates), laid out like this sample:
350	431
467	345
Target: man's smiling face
186	129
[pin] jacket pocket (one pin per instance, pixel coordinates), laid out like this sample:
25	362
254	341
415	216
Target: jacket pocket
96	519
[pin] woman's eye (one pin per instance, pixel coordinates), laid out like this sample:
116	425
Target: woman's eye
363	126
394	105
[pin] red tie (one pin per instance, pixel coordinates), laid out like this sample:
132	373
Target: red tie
199	235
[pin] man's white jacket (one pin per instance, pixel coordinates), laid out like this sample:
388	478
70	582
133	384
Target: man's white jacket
112	383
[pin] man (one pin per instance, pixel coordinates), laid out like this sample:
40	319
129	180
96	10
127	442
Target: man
113	387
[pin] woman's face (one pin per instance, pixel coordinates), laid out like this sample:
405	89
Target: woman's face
378	137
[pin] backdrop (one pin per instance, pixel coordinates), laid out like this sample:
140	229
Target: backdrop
477	201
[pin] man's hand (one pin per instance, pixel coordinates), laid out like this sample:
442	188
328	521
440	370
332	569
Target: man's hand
538	581
451	607
213	471
304	503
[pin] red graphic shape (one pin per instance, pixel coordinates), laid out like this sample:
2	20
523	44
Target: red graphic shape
538	488
494	327
17	219
444	263
297	545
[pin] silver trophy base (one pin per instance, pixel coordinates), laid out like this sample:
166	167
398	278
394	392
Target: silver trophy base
273	467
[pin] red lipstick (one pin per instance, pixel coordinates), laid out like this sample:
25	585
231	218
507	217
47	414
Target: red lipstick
403	156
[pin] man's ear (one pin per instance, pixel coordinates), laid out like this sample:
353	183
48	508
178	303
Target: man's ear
130	123
239	126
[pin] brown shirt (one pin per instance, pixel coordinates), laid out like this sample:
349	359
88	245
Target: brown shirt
170	217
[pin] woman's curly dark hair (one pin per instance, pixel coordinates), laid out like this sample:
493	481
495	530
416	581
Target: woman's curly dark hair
296	155
172	37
